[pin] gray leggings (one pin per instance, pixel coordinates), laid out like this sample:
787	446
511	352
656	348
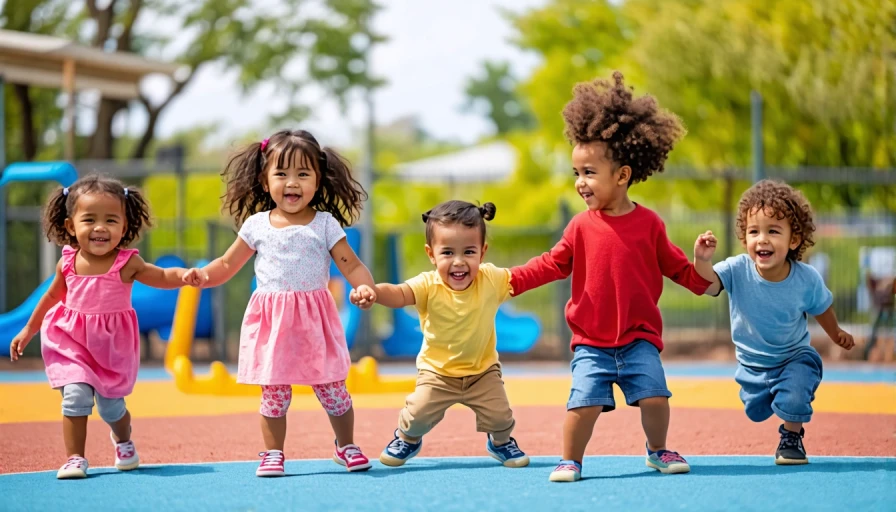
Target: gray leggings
77	400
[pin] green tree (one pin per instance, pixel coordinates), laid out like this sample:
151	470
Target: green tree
494	93
263	44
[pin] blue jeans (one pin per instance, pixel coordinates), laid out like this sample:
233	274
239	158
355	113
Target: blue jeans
787	391
636	368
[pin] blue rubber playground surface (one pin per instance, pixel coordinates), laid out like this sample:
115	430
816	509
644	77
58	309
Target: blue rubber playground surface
469	484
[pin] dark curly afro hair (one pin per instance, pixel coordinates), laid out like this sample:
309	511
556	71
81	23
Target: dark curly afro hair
781	201
636	131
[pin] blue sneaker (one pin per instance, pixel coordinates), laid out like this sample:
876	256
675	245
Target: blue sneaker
567	471
667	462
399	451
508	454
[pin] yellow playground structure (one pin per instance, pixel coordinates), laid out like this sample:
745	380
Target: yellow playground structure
363	377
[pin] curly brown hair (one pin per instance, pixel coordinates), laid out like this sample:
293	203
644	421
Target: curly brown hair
338	193
62	201
636	131
781	201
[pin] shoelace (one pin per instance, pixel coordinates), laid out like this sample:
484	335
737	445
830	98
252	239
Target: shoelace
73	462
352	451
125	450
512	448
398	445
271	459
567	467
790	440
668	457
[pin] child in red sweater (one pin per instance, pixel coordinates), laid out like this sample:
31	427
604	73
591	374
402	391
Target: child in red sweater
617	252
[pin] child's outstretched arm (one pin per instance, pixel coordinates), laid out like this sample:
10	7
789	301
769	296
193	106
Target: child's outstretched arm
54	294
221	269
137	269
393	295
828	322
355	272
676	266
704	248
551	266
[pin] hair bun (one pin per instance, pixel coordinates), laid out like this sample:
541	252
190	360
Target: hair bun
488	211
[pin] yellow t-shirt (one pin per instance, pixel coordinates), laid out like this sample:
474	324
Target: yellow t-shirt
459	326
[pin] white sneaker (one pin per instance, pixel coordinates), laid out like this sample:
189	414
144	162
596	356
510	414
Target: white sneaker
126	457
75	467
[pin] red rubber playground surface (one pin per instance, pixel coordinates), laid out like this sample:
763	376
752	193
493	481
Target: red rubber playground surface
201	440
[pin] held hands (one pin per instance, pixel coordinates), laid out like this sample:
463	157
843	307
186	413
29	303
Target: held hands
844	339
195	277
364	297
705	246
18	344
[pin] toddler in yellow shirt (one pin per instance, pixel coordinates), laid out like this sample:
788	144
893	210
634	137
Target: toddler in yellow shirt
458	361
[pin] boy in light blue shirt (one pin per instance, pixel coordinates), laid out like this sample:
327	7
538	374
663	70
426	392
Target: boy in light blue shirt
771	293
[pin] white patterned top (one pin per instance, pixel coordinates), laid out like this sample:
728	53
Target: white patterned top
293	258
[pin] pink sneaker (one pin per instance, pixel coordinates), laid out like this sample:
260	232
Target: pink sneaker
351	457
271	464
126	457
74	467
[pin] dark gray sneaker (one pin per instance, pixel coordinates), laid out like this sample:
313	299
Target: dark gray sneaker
790	449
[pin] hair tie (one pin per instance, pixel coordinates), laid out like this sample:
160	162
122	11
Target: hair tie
65	191
125	191
264	144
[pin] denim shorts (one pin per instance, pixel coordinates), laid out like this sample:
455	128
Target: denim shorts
636	368
787	391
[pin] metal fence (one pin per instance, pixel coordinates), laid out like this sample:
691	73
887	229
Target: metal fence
841	253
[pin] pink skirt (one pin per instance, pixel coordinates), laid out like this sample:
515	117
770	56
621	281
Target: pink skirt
101	350
292	338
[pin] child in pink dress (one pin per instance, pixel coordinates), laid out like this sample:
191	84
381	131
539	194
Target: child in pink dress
89	336
291	198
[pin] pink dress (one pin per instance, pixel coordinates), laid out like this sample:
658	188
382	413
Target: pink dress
92	335
291	331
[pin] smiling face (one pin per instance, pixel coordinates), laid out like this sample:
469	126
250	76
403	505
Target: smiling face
598	181
292	187
456	251
768	239
98	223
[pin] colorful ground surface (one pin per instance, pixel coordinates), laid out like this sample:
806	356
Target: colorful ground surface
851	442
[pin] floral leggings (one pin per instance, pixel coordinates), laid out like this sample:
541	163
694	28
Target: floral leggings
334	397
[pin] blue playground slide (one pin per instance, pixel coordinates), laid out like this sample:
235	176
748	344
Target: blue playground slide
154	307
350	315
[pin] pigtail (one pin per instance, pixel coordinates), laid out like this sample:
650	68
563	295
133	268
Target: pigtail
339	193
488	211
55	213
245	194
137	214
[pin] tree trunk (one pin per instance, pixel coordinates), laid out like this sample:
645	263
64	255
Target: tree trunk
29	140
148	133
102	142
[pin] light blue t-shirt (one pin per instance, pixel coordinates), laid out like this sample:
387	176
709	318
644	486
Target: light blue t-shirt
769	321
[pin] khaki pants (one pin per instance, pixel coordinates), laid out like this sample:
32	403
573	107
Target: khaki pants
483	393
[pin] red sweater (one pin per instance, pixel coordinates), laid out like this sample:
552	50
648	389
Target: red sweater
617	266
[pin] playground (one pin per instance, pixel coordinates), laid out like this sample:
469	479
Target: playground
788	115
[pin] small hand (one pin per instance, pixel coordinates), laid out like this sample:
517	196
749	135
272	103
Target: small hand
195	277
705	246
844	339
18	344
364	297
